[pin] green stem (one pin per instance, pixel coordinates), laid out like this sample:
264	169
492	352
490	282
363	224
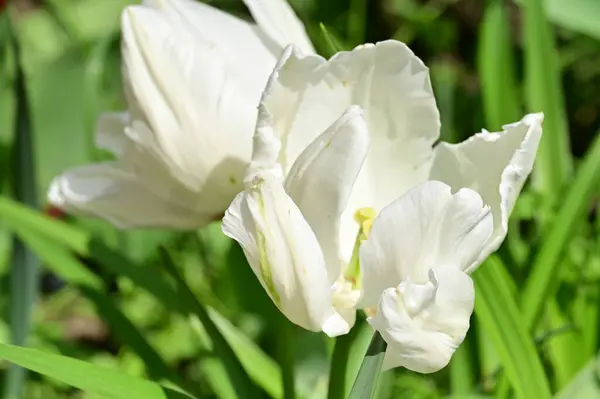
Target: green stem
285	347
348	351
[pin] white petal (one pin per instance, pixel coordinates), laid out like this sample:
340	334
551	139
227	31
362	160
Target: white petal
495	165
110	132
321	180
186	94
277	19
183	91
307	93
232	39
426	342
282	250
425	228
105	191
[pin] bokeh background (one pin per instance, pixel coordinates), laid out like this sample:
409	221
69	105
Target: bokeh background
490	62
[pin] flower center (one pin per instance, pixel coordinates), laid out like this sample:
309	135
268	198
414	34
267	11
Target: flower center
346	290
364	217
344	295
415	298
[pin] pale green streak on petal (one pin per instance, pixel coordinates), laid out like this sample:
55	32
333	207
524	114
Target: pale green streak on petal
265	268
263	257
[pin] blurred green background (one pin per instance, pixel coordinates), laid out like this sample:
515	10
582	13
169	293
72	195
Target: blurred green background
490	61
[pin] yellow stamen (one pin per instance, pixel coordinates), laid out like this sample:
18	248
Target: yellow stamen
364	217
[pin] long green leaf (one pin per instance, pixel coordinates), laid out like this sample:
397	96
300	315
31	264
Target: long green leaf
181	300
544	93
70	269
86	376
544	277
19	216
585	385
495	66
498	314
240	380
368	374
25	265
577	15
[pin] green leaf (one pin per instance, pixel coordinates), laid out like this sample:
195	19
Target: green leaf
544	277
239	379
181	300
20	217
368	374
544	94
25	265
263	370
586	383
128	334
495	64
86	376
578	15
70	269
462	370
333	42
498	314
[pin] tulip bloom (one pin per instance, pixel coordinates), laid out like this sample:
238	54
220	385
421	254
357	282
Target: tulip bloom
304	251
193	76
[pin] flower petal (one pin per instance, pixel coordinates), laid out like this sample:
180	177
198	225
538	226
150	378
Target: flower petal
425	343
185	92
110	132
282	250
425	228
321	180
108	192
495	165
307	93
277	19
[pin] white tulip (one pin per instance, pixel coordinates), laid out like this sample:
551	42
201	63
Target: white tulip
286	220
193	76
306	94
414	267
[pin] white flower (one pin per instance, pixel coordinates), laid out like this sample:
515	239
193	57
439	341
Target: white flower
307	93
286	220
193	76
415	266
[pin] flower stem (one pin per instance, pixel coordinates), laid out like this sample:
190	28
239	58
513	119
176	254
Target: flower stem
347	354
285	343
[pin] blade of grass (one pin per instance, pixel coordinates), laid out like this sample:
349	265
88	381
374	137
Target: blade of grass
544	93
462	370
332	42
366	381
25	265
585	384
565	361
70	269
544	277
495	65
356	20
497	313
240	380
180	300
87	376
